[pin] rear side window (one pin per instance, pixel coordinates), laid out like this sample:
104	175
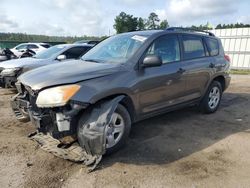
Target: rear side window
166	47
193	47
32	46
76	52
213	46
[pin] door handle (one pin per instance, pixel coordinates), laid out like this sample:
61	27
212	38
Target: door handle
211	65
181	71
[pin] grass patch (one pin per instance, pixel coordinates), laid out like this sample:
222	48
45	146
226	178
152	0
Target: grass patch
240	71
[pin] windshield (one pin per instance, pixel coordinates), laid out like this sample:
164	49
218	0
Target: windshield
116	49
50	52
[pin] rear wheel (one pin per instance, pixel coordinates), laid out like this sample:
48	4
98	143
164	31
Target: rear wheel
212	98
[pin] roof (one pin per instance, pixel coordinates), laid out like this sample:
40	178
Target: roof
190	30
144	32
36	43
173	30
75	45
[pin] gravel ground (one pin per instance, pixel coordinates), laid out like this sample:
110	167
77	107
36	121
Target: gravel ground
180	149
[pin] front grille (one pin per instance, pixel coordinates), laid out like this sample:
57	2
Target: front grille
18	114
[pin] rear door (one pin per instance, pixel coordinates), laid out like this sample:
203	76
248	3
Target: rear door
163	86
196	64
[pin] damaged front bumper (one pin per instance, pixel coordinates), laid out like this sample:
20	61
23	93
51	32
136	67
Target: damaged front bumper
56	131
72	152
58	128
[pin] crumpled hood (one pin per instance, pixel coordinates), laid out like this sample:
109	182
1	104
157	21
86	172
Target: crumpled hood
20	62
66	73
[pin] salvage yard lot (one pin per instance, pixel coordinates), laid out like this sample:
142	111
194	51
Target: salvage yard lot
180	149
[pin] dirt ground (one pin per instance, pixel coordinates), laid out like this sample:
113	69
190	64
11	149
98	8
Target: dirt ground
179	149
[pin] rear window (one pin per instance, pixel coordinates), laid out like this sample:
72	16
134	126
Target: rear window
193	47
213	46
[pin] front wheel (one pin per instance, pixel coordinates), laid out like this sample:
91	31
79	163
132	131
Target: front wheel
117	131
212	98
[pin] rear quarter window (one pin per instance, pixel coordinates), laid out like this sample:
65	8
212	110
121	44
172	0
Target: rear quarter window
193	47
213	46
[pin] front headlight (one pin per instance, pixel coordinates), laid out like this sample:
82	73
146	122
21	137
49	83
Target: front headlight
56	96
10	71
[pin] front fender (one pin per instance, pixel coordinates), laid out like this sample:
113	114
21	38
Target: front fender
88	94
93	90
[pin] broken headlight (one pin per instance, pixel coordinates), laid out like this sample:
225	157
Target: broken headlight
56	96
10	71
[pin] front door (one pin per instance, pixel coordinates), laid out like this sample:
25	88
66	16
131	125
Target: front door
163	86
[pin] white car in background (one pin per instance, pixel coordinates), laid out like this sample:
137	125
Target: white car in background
36	47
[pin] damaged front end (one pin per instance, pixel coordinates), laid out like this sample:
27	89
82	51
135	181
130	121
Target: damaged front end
58	128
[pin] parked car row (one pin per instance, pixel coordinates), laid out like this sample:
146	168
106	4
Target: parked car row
10	70
35	47
30	49
88	105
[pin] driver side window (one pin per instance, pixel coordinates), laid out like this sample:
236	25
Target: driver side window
75	52
167	47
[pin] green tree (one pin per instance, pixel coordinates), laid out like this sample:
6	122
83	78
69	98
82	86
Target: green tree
219	26
125	23
153	21
164	24
141	24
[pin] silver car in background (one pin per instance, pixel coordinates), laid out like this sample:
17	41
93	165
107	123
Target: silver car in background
10	70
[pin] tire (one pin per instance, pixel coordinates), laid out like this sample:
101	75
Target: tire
120	141
212	98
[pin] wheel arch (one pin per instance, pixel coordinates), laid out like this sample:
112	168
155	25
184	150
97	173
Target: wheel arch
221	80
127	102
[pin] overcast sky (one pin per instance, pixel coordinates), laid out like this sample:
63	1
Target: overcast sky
96	17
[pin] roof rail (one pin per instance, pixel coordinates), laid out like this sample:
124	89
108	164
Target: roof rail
189	29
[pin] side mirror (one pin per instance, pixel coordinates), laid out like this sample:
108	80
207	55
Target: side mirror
61	57
152	61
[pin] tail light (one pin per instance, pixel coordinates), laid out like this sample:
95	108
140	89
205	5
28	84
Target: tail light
227	58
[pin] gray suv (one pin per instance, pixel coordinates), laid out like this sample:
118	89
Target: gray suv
129	77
